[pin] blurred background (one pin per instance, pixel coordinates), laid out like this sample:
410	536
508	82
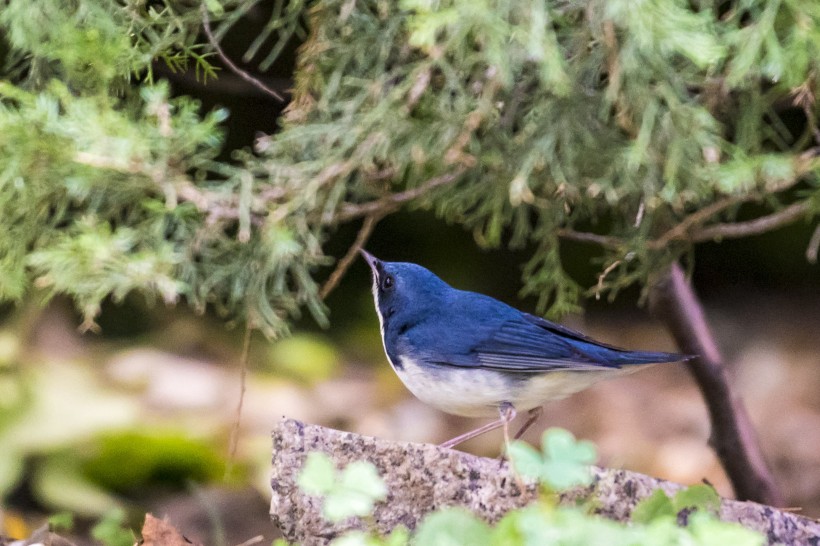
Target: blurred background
138	417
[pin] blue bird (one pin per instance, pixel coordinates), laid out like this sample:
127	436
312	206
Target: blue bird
471	355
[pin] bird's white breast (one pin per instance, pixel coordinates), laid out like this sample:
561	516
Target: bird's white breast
467	392
473	392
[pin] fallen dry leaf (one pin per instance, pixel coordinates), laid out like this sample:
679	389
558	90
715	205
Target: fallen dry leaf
158	532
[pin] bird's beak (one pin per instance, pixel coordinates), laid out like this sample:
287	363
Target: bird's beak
371	260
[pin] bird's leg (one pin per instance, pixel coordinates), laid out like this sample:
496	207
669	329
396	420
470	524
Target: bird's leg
532	417
507	413
473	433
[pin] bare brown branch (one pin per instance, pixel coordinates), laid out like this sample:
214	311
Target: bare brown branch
684	230
373	212
206	25
680	230
341	268
673	301
752	227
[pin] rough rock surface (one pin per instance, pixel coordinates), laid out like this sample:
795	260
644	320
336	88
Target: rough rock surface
422	477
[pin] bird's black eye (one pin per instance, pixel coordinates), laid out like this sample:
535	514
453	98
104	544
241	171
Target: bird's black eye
387	283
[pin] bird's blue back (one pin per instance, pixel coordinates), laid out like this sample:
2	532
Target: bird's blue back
426	320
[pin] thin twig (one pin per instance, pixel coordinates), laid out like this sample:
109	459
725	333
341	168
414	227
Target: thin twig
718	231
602	276
594	238
343	265
388	204
752	227
679	231
206	25
243	372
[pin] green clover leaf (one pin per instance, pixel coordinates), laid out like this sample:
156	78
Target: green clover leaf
317	475
564	462
351	492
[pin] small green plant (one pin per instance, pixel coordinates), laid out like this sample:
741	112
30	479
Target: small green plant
350	492
696	498
688	517
112	529
562	463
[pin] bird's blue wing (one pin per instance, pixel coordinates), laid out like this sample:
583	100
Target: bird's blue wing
529	344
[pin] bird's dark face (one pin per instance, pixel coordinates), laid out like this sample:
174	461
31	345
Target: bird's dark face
403	292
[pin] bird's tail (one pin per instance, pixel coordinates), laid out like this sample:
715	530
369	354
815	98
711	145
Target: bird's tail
627	358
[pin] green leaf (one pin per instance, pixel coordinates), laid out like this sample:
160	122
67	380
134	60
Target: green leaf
111	530
341	504
399	536
563	464
566	460
654	507
560	444
700	497
351	492
710	531
362	477
453	526
526	460
534	526
318	474
358	487
353	538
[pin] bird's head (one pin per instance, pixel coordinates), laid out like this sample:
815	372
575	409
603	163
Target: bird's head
404	289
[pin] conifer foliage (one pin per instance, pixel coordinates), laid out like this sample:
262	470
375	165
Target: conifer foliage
641	127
